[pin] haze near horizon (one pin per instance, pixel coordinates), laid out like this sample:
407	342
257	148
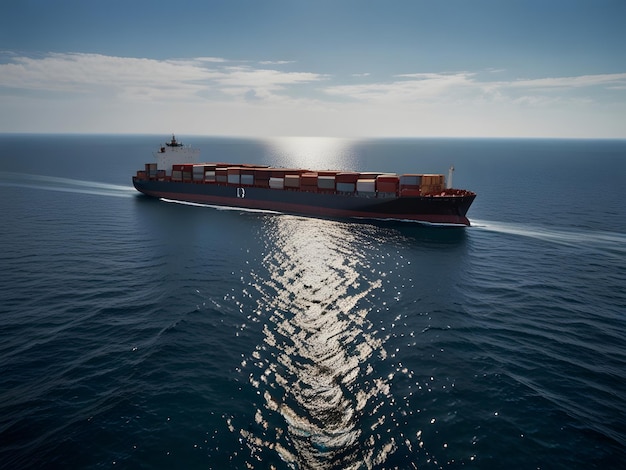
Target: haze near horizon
421	68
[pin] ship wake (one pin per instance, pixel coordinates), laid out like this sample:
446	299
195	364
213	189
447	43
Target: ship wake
69	185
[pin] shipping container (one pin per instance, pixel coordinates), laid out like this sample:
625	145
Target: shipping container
366	185
262	174
326	182
292	181
347	177
387	183
308	181
151	169
345	187
386	187
277	183
247	179
221	175
389	178
410	192
370	175
411	180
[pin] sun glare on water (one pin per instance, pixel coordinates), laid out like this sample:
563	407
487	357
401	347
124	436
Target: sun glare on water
316	153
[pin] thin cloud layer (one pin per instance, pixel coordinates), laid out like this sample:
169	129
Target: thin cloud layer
142	78
246	98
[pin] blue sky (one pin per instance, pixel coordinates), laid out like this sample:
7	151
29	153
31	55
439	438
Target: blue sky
345	68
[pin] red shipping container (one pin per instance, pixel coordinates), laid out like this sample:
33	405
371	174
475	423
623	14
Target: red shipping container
386	187
388	178
410	193
347	177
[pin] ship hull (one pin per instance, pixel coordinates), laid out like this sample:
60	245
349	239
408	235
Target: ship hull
438	209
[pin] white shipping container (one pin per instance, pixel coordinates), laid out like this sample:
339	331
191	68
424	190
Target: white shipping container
366	186
277	183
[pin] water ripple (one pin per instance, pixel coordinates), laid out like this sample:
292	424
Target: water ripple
313	368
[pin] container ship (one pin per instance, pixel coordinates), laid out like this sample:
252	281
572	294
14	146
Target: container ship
178	175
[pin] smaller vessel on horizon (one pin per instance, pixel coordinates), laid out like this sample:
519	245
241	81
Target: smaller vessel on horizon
179	175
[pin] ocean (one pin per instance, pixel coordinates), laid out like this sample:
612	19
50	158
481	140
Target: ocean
140	333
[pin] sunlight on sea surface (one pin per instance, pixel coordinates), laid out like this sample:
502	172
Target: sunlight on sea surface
316	153
318	342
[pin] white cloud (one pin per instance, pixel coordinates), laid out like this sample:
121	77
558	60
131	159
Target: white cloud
96	93
411	87
135	78
611	79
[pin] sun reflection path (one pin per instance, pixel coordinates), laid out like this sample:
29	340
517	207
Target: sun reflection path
316	153
314	368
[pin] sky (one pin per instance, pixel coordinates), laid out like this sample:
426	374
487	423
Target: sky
340	68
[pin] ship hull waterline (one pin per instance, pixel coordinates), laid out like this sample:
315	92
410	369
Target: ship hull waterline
439	210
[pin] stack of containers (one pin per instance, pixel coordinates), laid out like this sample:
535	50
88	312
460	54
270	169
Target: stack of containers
326	181
142	175
262	177
292	181
432	184
308	181
247	176
346	182
233	173
151	170
188	172
198	172
209	173
387	184
410	185
177	172
366	187
221	175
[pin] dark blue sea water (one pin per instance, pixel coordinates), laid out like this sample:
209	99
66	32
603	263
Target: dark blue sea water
136	333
